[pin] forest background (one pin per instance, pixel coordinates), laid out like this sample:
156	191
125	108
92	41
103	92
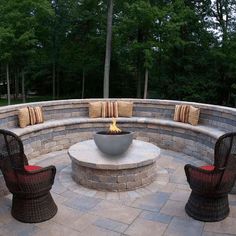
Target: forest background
185	49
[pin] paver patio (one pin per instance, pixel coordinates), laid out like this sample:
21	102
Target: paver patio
157	209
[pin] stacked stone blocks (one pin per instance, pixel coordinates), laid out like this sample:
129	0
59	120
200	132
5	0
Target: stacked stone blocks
114	180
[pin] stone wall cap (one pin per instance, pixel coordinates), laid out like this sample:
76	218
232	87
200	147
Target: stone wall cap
6	109
139	154
210	131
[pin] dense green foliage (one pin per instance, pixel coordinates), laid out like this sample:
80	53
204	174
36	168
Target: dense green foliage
187	46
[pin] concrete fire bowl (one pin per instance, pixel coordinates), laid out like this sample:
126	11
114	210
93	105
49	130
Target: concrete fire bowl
113	144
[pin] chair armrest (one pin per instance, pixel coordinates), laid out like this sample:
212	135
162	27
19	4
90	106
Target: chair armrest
49	170
37	180
190	170
202	181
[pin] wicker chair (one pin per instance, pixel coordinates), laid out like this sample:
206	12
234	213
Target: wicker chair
211	184
30	185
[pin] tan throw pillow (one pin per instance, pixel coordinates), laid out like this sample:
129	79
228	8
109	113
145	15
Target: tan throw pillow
95	109
23	117
181	113
39	115
110	109
125	109
194	114
32	116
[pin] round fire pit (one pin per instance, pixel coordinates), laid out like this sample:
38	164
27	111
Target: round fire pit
134	169
113	144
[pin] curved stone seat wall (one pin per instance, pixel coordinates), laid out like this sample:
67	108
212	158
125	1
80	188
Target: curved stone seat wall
55	135
177	138
67	122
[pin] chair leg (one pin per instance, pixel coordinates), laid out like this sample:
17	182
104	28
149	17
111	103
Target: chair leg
33	210
207	209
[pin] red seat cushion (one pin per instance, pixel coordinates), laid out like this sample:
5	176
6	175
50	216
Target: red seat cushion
32	168
209	168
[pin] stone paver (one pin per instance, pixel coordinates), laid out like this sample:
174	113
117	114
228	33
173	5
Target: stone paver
156	216
174	208
98	231
84	222
184	227
14	227
111	225
116	211
214	234
66	216
83	203
152	202
180	195
51	228
156	209
145	227
227	226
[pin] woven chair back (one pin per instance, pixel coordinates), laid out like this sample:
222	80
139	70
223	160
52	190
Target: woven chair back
11	151
225	160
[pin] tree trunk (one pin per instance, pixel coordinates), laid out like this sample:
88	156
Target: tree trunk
83	81
222	16
145	84
16	86
108	51
57	83
54	80
23	85
8	86
138	84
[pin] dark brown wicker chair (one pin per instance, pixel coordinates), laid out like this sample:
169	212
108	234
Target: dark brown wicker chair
211	184
30	185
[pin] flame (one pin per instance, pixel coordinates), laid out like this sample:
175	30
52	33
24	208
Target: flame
113	128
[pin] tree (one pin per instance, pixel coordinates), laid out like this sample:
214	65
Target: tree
22	19
6	42
82	46
137	42
182	49
222	18
108	50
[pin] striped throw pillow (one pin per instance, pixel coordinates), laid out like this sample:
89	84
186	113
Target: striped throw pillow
32	116
110	109
181	113
38	115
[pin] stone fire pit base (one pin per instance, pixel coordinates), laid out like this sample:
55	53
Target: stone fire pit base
131	170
